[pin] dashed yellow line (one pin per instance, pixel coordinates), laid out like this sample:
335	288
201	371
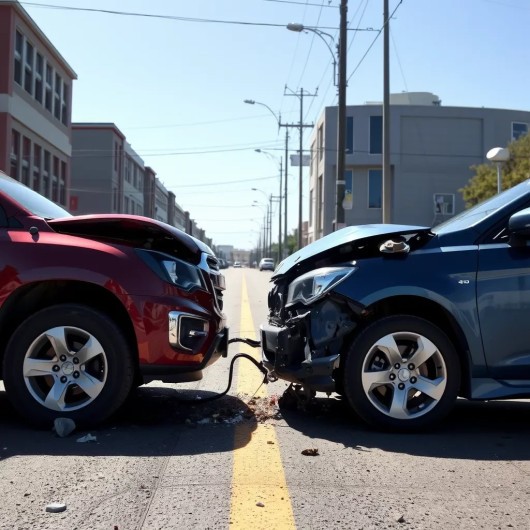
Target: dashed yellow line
260	498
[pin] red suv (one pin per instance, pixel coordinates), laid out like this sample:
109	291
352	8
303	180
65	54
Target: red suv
92	305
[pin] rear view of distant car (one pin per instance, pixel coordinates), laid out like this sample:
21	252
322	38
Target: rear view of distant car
266	264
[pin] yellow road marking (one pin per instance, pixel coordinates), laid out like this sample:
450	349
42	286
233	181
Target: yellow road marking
258	476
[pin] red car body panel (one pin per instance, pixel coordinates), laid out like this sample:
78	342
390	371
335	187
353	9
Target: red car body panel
101	252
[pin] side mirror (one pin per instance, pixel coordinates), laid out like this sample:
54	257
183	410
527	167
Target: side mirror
519	227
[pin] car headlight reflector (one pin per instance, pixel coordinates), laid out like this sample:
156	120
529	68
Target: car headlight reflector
315	284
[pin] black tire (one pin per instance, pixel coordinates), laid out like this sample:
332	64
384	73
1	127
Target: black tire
67	361
409	397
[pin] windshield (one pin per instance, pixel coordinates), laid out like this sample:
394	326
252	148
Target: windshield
471	217
30	200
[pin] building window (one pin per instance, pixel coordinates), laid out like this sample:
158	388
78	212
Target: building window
349	135
444	203
26	159
519	129
375	188
57	96
376	135
64	104
55	180
62	184
46	174
39	81
15	154
28	68
37	156
48	88
320	140
19	47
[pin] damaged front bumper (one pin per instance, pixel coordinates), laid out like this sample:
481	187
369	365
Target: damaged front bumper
280	350
306	350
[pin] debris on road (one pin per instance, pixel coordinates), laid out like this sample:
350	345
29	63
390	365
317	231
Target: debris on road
63	426
310	452
265	408
56	507
260	504
87	438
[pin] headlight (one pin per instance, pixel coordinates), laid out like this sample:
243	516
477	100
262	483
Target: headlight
314	284
172	270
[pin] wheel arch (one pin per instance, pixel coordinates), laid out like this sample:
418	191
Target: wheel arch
440	316
33	297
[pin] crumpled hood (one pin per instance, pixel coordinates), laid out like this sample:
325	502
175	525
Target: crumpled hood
343	237
133	230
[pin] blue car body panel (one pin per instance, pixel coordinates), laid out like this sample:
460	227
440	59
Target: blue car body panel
475	268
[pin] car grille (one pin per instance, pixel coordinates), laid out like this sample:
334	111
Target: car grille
217	279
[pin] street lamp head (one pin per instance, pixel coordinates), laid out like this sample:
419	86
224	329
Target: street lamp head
249	101
498	154
293	26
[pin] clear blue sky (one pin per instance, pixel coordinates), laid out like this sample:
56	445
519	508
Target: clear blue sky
175	88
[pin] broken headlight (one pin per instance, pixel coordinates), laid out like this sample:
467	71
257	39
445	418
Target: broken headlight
315	284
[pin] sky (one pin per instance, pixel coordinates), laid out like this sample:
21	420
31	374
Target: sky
174	81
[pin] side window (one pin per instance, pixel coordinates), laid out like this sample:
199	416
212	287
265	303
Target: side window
500	233
3	218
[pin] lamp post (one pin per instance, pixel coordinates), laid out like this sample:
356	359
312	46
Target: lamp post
266	225
341	110
280	124
498	155
275	158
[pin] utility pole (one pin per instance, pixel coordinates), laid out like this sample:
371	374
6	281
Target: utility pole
387	174
286	175
341	119
300	126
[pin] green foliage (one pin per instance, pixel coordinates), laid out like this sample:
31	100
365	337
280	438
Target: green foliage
484	184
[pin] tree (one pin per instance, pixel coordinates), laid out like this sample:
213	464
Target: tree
484	184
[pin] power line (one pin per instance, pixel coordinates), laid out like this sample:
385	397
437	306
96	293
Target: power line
300	3
373	42
164	17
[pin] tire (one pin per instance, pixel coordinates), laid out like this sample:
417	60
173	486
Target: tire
67	361
402	373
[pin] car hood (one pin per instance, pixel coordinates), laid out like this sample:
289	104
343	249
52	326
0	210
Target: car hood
133	230
340	243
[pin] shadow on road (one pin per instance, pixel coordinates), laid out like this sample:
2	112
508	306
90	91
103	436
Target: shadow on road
160	421
155	421
495	430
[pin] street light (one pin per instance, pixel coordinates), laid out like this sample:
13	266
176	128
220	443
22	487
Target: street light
265	222
280	124
299	28
498	155
275	158
341	110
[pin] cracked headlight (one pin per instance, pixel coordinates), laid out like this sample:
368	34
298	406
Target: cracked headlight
315	284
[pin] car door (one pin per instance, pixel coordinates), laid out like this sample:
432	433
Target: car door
503	303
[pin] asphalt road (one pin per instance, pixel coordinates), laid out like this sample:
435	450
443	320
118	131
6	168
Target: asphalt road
167	461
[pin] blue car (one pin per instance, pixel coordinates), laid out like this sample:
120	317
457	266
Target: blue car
402	320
